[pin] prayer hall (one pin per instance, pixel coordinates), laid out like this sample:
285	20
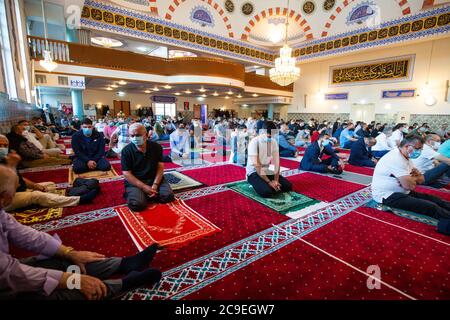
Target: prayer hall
224	150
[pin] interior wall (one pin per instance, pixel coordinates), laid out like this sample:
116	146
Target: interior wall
315	77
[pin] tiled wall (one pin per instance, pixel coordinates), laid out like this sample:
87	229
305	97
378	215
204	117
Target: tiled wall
13	111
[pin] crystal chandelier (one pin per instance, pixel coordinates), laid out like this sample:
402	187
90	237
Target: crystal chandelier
48	63
285	71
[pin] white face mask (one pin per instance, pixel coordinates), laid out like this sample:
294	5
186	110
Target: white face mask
436	145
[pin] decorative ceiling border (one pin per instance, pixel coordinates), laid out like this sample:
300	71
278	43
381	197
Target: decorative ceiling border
425	24
110	18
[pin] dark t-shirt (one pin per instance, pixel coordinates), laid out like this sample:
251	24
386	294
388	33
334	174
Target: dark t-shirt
76	124
143	166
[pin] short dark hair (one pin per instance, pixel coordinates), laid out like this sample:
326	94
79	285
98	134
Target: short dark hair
22	121
323	134
411	139
86	121
269	126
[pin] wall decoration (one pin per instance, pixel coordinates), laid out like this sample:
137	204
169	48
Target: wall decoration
186	105
164	99
202	16
384	70
362	12
336	96
406	93
96	15
247	8
329	4
229	6
309	7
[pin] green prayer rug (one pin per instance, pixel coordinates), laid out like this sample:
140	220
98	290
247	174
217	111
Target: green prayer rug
284	203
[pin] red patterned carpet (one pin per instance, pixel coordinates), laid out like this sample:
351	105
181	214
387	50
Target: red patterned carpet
290	164
435	192
361	170
321	187
212	176
56	176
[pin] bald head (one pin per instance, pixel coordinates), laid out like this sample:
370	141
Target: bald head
137	128
8	185
4	143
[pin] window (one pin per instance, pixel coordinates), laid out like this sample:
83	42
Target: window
165	109
6	53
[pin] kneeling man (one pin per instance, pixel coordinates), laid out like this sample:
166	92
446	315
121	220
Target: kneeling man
144	171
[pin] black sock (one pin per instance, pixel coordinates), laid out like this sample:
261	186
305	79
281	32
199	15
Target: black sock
139	261
88	197
138	279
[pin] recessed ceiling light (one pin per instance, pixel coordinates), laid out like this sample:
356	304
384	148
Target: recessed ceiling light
120	93
177	93
155	88
215	94
230	92
167	86
122	83
239	96
147	91
255	95
106	42
245	105
114	86
109	89
202	89
188	91
227	97
203	95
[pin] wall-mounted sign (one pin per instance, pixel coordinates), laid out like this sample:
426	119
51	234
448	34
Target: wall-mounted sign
186	106
408	93
336	96
393	69
164	99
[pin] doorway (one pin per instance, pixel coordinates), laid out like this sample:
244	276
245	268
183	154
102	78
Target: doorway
123	106
363	112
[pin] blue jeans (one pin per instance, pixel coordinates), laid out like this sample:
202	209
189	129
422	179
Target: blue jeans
347	144
164	137
433	175
287	153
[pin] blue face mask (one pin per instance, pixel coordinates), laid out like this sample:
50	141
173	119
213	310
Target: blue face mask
326	143
3	153
415	154
267	139
137	140
87	132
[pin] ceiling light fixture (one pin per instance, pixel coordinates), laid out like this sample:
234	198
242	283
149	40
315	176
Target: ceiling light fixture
203	95
239	96
109	89
202	89
285	71
227	97
177	93
255	95
188	91
147	91
114	86
215	94
106	42
122	83
155	88
167	87
230	92
47	63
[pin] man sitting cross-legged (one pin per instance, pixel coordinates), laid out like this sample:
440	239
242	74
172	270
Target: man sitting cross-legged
49	276
30	193
89	148
395	179
144	171
360	153
262	150
312	160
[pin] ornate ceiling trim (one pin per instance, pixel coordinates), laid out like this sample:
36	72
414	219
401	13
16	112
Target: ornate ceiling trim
105	17
212	4
425	24
278	11
404	5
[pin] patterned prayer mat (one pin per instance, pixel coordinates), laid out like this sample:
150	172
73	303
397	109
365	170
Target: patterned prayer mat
179	181
284	203
354	177
93	175
403	213
35	214
172	225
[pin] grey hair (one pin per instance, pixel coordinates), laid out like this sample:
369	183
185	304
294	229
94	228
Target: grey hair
137	126
387	130
3	136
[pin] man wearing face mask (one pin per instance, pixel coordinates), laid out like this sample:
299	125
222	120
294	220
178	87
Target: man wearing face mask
395	179
179	143
286	148
361	154
382	145
434	166
262	151
89	148
143	170
312	160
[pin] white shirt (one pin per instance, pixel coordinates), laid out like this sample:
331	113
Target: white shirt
100	126
425	161
179	141
383	143
32	138
384	183
397	135
258	147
